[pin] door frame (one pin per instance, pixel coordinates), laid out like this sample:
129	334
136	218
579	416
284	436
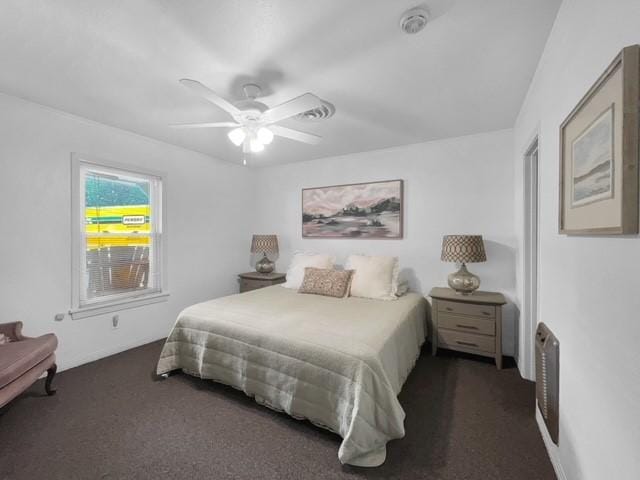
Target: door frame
531	255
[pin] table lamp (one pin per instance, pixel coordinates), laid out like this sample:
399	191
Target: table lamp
264	244
463	249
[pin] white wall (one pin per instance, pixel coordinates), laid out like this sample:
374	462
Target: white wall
459	185
588	285
208	234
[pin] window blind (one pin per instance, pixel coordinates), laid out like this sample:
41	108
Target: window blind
121	234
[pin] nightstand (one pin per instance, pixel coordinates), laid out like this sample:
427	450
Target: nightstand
467	323
254	280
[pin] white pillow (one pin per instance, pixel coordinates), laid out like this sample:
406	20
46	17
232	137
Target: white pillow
374	277
300	261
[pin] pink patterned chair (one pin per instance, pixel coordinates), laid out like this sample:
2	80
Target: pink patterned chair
23	360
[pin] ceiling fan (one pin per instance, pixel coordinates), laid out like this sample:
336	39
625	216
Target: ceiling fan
255	123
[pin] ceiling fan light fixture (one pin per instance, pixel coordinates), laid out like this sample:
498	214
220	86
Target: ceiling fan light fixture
255	145
237	136
265	136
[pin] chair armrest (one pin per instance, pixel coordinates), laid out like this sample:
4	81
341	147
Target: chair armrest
12	330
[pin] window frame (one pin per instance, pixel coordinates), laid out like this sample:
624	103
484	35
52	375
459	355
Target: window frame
136	299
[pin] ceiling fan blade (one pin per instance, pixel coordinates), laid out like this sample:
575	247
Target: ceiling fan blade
205	125
307	101
296	135
208	94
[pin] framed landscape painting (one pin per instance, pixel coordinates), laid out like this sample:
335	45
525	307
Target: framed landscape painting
359	210
599	154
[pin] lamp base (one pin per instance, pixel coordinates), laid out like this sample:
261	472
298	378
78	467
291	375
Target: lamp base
264	265
463	281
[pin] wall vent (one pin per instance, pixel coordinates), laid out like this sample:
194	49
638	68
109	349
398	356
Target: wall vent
548	378
324	111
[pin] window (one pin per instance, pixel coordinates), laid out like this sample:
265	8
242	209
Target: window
118	237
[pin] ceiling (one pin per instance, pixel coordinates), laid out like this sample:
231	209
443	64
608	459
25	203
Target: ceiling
119	63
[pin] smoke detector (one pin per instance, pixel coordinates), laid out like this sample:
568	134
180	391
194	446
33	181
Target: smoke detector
324	111
414	20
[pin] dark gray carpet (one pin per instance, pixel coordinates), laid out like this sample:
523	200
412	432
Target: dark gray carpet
111	420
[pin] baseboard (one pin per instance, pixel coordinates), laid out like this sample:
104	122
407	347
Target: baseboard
92	357
552	448
525	369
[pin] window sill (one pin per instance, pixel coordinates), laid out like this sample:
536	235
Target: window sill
102	308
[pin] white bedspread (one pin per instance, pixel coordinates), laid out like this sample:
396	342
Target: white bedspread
338	362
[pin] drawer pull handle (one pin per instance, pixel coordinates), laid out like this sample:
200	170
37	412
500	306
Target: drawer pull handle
449	309
470	327
486	313
469	344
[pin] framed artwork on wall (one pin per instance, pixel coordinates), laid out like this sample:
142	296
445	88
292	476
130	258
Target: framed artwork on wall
599	154
359	210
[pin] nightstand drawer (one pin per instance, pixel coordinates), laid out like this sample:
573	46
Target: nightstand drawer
483	311
459	340
247	284
485	326
253	280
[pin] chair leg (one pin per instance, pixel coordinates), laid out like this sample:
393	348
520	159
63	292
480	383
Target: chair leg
51	372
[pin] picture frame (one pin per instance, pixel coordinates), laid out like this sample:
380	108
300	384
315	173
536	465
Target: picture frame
599	154
367	210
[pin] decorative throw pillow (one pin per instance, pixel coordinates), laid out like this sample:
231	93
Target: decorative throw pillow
326	281
4	339
374	277
299	262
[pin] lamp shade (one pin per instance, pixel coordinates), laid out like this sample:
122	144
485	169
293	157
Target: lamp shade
264	244
463	249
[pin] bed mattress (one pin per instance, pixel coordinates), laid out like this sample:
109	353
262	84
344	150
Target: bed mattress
339	363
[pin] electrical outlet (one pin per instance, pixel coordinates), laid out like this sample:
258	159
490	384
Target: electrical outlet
114	320
59	317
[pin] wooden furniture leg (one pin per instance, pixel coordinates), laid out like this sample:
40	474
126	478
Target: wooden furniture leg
51	372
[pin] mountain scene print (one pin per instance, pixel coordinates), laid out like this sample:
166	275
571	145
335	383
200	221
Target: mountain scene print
592	156
366	210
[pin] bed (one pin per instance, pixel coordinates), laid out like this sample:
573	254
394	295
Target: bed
339	363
